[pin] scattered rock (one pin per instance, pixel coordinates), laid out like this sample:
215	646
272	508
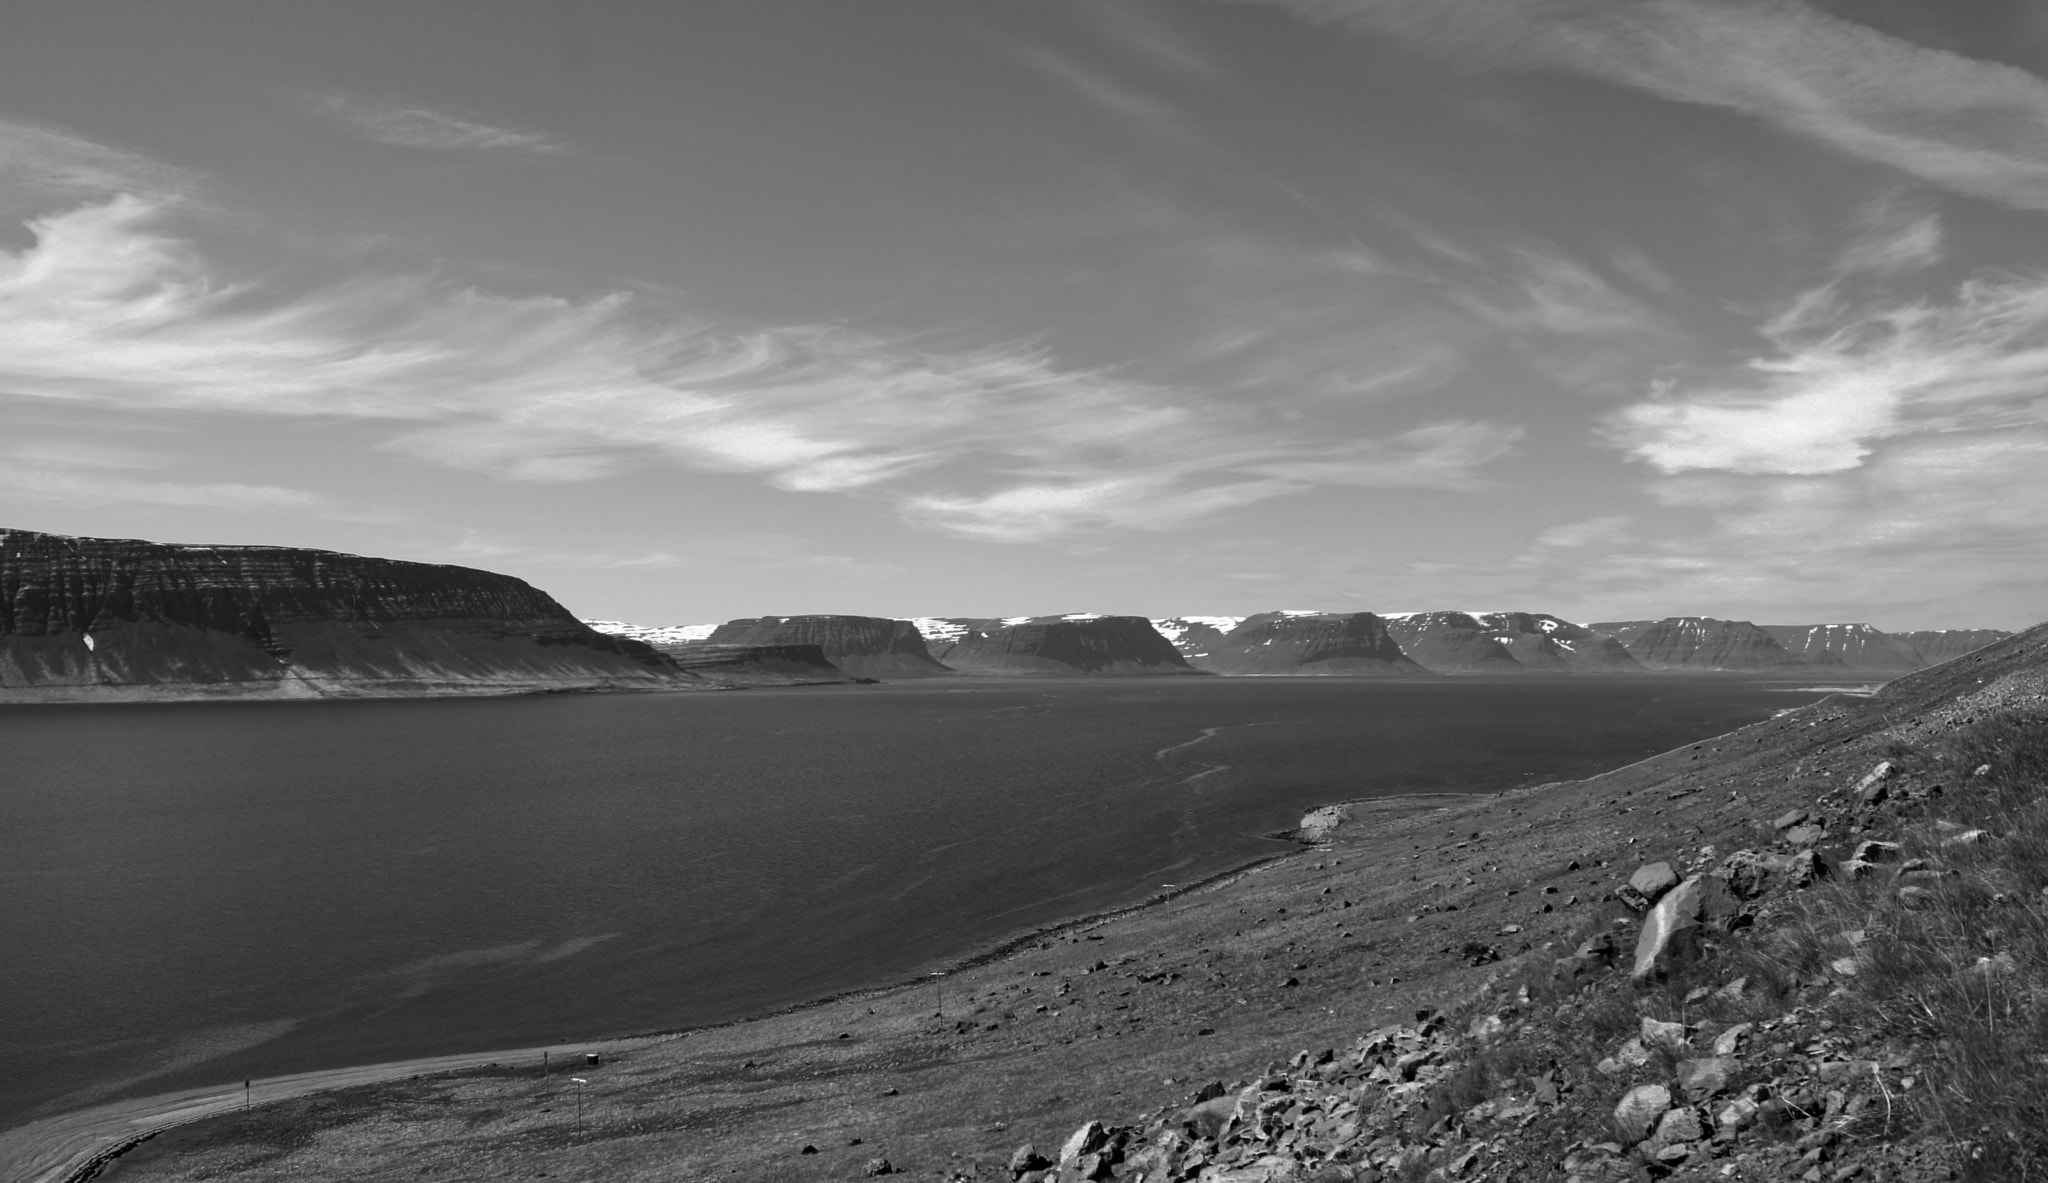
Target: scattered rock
1648	884
877	1166
1701	1079
1639	1111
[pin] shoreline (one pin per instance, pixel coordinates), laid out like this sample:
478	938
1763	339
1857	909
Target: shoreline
76	1147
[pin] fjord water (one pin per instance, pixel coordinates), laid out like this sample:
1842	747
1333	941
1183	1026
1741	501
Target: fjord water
197	893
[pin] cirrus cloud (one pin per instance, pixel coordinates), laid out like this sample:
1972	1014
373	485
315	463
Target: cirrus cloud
110	306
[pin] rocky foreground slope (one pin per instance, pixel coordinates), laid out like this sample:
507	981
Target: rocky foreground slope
107	618
1809	949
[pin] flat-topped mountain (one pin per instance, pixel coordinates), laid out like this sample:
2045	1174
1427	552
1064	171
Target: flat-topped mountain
1507	643
1081	643
1702	644
1938	645
110	618
1848	646
863	646
1353	644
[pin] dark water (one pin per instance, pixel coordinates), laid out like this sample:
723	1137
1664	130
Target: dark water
198	893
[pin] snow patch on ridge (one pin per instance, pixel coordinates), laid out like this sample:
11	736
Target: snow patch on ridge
660	634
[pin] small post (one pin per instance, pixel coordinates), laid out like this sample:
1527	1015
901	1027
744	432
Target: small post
543	1070
939	987
245	1095
579	1104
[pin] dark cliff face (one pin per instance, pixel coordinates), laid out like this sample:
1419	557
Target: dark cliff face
1058	645
1938	645
1352	644
863	646
1852	647
111	615
1702	644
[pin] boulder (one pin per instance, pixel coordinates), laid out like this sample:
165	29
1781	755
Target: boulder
1673	924
1736	1115
1751	873
1702	1078
1639	1111
1090	1138
1728	1042
1871	789
1027	1158
1806	835
1657	1033
1787	821
1679	1126
1648	884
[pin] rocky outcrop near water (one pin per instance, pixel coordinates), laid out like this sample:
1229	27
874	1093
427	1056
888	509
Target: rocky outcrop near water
1350	645
1702	644
1083	643
1853	647
85	619
1938	645
862	646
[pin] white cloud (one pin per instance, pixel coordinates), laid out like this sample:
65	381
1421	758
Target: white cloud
1973	126
109	307
1836	389
411	126
1932	531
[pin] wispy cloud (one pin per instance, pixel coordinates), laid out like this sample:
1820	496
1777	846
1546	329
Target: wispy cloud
413	126
1151	116
757	553
1846	378
85	475
41	164
1970	125
110	307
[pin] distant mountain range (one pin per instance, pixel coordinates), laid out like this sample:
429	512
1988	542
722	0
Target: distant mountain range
1332	644
111	619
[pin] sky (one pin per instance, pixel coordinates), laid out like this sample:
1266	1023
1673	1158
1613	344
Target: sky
691	311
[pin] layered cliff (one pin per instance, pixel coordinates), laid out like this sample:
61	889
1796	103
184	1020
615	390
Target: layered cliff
1702	644
1334	644
757	665
1938	645
106	618
863	646
1851	647
1082	643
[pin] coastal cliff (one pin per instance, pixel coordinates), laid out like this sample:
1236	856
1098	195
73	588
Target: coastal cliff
1938	645
1702	644
1123	646
1857	647
862	646
109	619
1353	644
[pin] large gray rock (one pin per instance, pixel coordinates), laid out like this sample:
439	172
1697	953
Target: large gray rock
1702	1078
1648	884
1638	1112
1671	926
